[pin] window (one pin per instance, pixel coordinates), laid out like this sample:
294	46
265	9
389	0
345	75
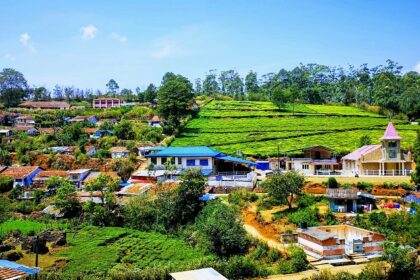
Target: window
392	144
153	160
204	162
190	162
392	154
163	160
179	161
305	166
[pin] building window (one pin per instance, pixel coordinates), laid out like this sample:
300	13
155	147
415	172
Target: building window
153	160
163	160
305	166
392	154
190	162
204	162
392	144
179	161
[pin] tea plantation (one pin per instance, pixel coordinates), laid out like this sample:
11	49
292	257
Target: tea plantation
93	251
255	128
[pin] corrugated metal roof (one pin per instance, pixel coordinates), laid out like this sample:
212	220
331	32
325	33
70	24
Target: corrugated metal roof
238	160
361	152
198	274
13	265
191	151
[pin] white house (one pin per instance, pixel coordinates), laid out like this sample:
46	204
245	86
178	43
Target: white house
119	152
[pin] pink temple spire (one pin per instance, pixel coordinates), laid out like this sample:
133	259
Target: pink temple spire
390	133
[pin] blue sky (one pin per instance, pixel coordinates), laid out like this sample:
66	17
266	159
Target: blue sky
85	43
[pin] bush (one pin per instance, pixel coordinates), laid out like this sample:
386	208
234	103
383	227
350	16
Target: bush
406	186
239	267
241	197
25	207
346	186
16	192
364	186
6	184
309	215
295	262
307	200
390	185
332	183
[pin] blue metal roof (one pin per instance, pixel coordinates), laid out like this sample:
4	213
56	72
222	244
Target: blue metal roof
237	160
16	266
192	151
207	197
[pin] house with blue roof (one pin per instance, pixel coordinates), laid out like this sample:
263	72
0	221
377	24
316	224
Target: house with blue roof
217	166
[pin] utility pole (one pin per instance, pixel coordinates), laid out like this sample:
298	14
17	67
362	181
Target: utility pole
36	254
278	158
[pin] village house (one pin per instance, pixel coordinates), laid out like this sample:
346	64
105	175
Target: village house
119	152
338	241
42	177
106	103
222	170
314	160
155	121
78	176
90	119
69	150
5	132
21	175
100	133
30	130
48	130
24	121
349	200
11	271
45	105
385	159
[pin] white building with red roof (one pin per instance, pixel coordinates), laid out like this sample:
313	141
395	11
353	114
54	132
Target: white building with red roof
385	159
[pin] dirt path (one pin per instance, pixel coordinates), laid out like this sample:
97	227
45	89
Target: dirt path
354	269
270	242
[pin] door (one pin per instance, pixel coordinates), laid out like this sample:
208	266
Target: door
349	205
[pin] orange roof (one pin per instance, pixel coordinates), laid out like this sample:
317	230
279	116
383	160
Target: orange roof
22	128
88	148
45	104
118	149
48	129
50	173
155	119
90	130
8	273
18	172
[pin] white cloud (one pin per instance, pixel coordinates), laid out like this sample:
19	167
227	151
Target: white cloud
88	31
165	49
26	41
417	67
119	37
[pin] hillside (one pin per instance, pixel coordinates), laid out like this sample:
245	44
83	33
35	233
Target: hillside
255	128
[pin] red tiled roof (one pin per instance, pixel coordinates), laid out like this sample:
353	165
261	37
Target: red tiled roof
90	130
48	129
45	104
8	273
50	173
88	148
18	172
118	149
22	128
155	119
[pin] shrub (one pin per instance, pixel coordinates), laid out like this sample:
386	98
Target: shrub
346	186
365	186
241	197
307	200
406	186
16	192
332	183
25	207
239	267
309	215
390	185
295	262
6	184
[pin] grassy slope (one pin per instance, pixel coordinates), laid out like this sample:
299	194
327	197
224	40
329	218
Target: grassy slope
95	250
257	127
27	226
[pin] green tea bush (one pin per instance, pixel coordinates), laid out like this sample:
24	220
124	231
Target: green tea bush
310	215
346	186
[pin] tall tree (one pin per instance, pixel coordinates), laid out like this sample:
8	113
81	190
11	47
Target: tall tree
285	187
150	93
13	87
210	85
198	90
279	97
175	94
112	87
251	83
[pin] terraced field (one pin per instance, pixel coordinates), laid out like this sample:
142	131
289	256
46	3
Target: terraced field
255	128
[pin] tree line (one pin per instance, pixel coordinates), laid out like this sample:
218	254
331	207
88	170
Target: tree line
385	86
